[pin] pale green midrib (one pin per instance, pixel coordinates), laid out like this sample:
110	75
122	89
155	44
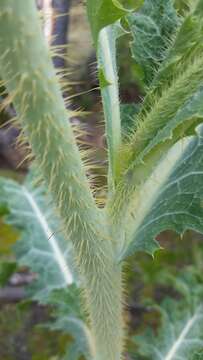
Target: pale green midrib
153	187
25	65
59	257
43	224
190	323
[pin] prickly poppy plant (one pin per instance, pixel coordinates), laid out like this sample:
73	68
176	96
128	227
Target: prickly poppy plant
155	166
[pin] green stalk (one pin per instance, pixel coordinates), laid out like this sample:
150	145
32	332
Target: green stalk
110	97
26	68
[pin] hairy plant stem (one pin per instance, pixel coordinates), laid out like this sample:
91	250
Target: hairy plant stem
29	76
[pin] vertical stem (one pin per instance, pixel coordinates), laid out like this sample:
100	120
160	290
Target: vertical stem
29	76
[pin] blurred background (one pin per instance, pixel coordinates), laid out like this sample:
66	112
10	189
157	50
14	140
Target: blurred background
23	334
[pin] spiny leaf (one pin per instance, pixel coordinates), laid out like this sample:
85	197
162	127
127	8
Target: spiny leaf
169	115
173	92
184	46
102	13
44	250
151	29
177	126
174	102
181	333
172	197
42	246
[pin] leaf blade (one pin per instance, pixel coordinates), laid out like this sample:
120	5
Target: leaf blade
179	335
102	13
151	27
39	248
171	198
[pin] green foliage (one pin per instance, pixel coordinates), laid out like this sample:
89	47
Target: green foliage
172	196
105	12
7	268
128	114
151	28
170	111
110	91
42	246
180	333
155	168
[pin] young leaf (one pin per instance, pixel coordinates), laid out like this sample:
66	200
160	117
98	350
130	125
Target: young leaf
171	198
171	110
41	246
173	92
151	28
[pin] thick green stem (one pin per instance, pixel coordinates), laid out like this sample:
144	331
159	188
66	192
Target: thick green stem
29	76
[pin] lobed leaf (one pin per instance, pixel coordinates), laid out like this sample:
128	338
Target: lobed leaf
172	197
171	110
41	246
180	336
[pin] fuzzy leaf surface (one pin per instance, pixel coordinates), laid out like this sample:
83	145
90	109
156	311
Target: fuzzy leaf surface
128	117
151	27
185	117
172	197
43	249
174	100
41	246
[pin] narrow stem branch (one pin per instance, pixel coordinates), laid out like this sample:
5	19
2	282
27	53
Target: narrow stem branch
110	96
